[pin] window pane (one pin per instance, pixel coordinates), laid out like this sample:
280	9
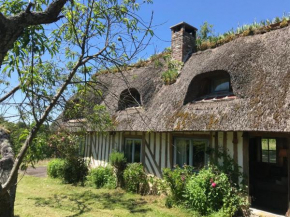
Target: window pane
137	151
198	153
268	150
272	156
182	152
264	144
265	156
272	144
128	150
221	85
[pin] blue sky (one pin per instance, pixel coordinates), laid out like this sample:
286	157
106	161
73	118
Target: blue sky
223	14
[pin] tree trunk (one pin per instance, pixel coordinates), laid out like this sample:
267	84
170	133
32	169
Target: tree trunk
6	163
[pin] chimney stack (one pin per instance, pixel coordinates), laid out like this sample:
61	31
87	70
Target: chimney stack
183	37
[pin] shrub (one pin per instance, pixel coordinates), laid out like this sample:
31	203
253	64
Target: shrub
211	191
176	180
66	146
173	67
55	168
169	202
226	164
111	182
169	76
74	171
157	186
135	178
102	177
118	161
284	23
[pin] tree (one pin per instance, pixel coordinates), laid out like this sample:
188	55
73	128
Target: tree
52	62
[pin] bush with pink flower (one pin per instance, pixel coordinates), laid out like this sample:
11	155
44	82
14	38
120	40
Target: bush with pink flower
176	180
67	147
211	191
65	144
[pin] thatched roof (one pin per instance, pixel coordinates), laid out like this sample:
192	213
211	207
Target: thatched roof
259	68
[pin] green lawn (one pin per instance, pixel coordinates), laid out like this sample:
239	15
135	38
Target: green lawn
47	197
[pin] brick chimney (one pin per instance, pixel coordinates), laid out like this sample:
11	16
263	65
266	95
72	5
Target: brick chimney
183	37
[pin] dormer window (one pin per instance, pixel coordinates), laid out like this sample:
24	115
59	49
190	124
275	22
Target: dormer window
214	85
129	98
220	85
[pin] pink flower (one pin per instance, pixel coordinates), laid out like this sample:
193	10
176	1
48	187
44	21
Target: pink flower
182	178
213	185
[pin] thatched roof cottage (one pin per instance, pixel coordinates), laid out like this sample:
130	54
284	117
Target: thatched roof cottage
235	97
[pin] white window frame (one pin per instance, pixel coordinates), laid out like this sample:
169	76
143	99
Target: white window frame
133	148
206	156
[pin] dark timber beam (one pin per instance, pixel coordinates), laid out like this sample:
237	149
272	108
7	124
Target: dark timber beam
246	159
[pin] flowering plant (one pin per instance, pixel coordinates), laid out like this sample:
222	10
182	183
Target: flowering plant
65	145
211	191
177	179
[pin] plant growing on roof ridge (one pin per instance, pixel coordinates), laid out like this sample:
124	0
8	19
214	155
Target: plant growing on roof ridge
173	68
169	76
284	23
206	39
205	33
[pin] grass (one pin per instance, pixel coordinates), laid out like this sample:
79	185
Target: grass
48	197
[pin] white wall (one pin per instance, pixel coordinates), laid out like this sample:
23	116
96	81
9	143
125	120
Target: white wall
158	147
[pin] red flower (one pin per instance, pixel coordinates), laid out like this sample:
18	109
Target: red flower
213	185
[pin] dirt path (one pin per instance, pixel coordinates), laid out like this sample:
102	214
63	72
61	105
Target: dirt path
37	172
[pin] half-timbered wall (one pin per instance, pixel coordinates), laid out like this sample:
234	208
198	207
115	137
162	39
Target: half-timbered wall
157	148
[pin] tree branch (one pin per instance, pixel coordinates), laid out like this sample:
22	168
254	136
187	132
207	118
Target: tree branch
28	18
29	7
12	27
10	93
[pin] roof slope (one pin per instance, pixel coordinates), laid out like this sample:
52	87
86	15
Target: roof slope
259	67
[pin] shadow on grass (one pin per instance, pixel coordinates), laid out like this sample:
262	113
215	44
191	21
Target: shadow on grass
80	203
